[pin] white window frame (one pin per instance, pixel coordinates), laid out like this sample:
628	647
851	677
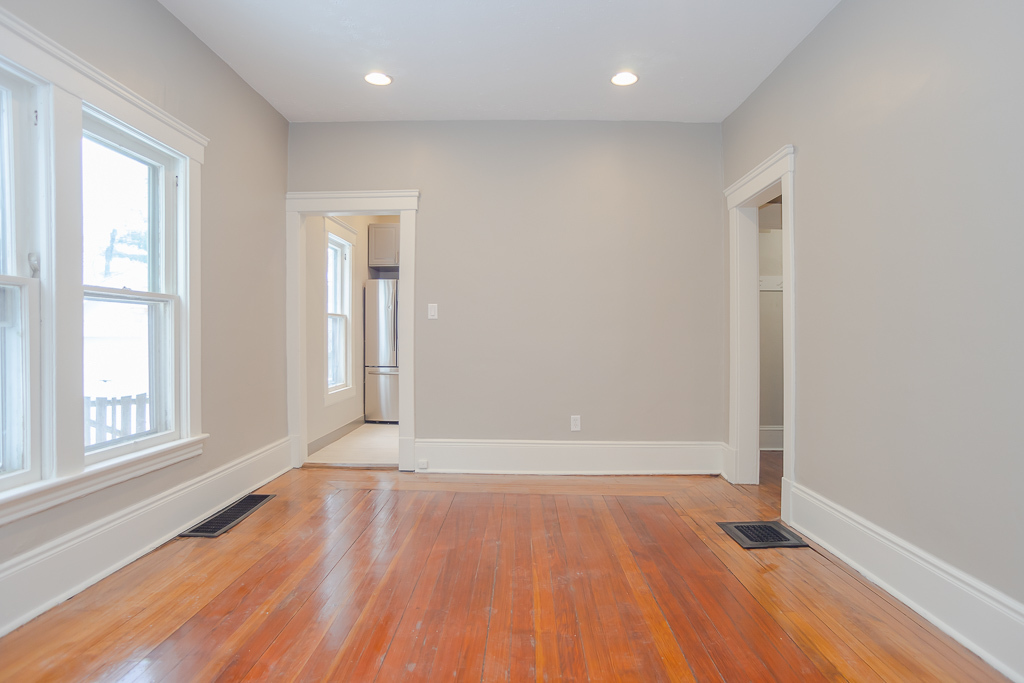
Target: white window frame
343	280
164	227
67	92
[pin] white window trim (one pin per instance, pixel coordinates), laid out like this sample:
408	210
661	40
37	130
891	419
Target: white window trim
27	500
72	86
340	392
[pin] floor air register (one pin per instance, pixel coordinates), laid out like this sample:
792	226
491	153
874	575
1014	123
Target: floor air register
219	522
762	535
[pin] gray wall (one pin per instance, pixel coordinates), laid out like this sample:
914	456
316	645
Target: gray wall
769	244
141	45
578	268
906	119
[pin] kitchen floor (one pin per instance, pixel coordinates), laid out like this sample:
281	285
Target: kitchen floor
371	445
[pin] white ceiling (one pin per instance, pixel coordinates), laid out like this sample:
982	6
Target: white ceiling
512	59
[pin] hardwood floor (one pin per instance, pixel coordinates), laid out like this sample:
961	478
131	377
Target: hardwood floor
374	575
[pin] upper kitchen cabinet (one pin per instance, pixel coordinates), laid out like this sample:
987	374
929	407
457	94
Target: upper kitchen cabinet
383	249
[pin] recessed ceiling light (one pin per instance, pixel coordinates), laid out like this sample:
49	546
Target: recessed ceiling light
377	78
624	78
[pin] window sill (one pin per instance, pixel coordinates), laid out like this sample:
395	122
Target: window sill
338	395
32	498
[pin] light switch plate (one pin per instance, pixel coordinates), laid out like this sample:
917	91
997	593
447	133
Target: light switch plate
431	311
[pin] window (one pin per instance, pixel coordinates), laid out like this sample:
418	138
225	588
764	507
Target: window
19	303
339	308
99	281
130	303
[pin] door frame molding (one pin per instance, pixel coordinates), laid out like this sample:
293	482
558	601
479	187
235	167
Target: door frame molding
769	179
298	207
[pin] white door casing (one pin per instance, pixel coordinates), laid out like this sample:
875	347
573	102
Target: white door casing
771	178
298	206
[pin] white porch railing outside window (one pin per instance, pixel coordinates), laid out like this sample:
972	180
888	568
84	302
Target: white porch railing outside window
111	418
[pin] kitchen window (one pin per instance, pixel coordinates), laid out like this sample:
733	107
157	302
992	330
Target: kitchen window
339	308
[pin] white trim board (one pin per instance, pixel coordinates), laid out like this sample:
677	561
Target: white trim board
353	202
771	178
46	576
569	457
43	495
43	56
771	438
985	620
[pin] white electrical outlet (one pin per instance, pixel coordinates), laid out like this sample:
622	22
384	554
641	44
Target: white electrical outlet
423	464
574	423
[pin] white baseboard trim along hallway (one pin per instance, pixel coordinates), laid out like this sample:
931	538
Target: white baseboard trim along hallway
568	457
985	620
771	438
46	576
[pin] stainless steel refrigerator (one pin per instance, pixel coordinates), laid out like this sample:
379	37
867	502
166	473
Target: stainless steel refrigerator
380	402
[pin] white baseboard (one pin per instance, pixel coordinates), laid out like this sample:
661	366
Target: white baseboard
787	501
569	457
771	439
406	454
985	620
46	576
329	438
730	463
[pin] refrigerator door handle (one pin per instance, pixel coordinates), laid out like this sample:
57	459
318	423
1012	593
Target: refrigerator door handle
396	323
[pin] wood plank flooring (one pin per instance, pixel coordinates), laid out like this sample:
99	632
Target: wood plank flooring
375	575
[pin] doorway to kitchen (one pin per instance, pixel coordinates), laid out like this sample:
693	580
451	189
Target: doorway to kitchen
306	209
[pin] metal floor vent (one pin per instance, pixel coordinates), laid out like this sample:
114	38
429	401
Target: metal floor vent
221	521
762	535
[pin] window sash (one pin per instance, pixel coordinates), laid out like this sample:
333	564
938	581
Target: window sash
333	277
19	386
22	146
337	351
7	251
158	407
165	171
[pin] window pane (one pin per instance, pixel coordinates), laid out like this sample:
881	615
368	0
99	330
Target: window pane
119	396
337	336
6	239
12	381
332	279
115	217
